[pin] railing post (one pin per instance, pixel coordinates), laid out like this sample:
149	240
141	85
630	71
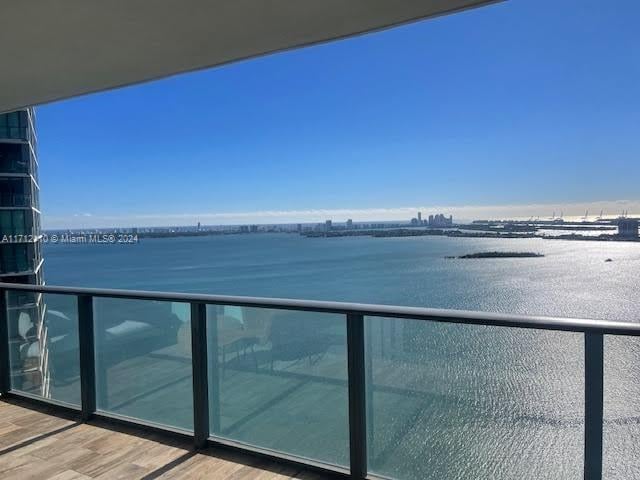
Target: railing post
593	405
200	380
357	396
87	356
5	364
369	392
214	355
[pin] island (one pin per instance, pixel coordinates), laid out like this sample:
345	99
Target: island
501	255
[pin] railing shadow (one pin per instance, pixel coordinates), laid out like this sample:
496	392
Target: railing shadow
38	438
44	410
223	453
169	466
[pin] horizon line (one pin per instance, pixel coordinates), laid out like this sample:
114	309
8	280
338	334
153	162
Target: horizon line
609	209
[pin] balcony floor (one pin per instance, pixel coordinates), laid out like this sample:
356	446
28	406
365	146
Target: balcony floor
36	443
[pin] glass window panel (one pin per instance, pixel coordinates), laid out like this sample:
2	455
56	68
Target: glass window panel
13	258
448	401
143	360
44	348
22	257
19	223
13	119
621	427
278	380
13	158
5	222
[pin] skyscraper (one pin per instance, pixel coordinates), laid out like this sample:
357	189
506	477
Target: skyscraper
21	245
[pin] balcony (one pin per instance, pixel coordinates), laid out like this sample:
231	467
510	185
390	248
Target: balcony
345	389
47	443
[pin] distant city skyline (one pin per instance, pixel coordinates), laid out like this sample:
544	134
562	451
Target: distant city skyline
498	111
610	209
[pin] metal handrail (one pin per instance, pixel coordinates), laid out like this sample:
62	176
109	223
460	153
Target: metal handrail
604	327
355	313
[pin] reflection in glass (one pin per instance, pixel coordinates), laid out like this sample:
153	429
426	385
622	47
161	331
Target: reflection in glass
44	347
448	401
278	380
14	158
143	360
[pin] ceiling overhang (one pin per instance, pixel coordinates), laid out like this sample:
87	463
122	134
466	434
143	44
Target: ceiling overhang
53	50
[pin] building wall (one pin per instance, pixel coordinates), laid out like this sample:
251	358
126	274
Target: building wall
21	247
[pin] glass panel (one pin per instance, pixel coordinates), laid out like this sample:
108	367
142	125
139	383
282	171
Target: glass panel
281	377
6	224
15	192
143	360
621	427
13	119
13	125
447	401
14	257
44	348
14	158
19	223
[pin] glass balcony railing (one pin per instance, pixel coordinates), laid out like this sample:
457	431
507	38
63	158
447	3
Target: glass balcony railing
43	345
274	374
359	390
143	360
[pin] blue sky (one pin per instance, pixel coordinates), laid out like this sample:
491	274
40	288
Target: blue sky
527	105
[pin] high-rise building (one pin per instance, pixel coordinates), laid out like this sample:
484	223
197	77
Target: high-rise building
440	220
20	239
21	247
349	224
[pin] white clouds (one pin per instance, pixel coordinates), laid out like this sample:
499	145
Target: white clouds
460	213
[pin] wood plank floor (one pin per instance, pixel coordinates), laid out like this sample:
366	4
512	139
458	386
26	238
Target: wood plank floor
37	444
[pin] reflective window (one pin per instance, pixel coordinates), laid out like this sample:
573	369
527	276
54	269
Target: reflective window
15	257
14	158
15	192
14	125
15	222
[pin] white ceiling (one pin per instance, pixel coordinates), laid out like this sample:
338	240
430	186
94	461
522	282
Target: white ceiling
55	49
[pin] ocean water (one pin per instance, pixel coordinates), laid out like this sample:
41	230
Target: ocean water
444	401
572	280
